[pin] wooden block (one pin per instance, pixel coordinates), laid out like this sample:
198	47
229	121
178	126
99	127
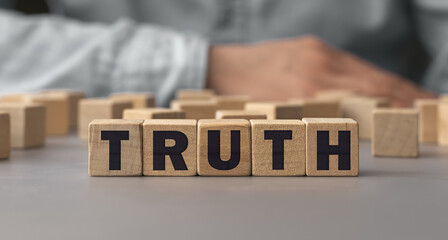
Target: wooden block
443	97
195	109
239	114
331	147
336	94
275	110
73	98
115	147
395	133
153	113
169	147
360	109
27	124
195	94
231	102
57	113
5	135
427	119
318	108
224	147
14	98
278	147
139	100
442	123
98	108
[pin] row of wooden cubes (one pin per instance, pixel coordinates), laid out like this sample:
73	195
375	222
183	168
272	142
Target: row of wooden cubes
227	147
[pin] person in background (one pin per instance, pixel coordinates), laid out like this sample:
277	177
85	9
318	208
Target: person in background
269	49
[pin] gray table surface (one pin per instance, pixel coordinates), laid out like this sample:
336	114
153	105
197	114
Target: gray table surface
47	194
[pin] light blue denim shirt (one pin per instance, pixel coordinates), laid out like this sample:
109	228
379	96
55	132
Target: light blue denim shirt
102	46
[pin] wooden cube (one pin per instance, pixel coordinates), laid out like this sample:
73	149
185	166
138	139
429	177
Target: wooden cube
231	102
331	147
153	113
27	124
395	133
224	147
427	119
195	109
278	147
169	147
239	114
115	147
57	112
73	98
275	110
98	108
442	123
318	108
195	94
5	135
139	100
360	109
15	98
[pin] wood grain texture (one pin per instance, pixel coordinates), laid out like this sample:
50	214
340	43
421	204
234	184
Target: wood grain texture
239	114
153	113
139	100
224	126
427	120
5	135
131	150
195	109
333	126
360	109
27	124
294	151
73	100
318	108
99	108
187	127
275	110
195	94
443	123
231	102
395	133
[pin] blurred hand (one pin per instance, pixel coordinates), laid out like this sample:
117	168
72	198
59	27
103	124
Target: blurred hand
300	68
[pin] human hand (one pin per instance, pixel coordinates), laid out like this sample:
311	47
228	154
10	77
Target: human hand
301	67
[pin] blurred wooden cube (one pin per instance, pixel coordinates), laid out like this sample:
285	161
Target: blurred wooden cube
195	94
318	108
73	98
442	123
275	110
153	113
278	147
169	147
336	94
239	114
195	109
99	108
224	147
395	132
115	147
231	102
139	100
57	112
27	124
331	147
360	109
427	121
5	135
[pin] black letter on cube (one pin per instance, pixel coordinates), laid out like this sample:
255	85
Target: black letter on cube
278	138
115	138
214	150
324	150
175	152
